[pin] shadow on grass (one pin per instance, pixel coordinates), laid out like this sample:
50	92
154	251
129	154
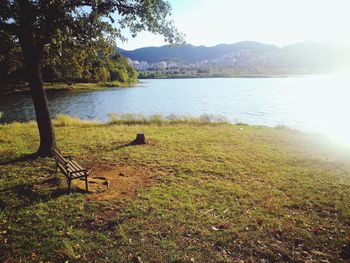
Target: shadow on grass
133	143
23	195
23	158
123	146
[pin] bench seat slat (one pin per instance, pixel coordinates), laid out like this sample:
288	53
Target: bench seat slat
75	166
73	169
77	173
60	160
57	154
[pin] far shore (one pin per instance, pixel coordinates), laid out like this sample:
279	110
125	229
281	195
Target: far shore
73	87
223	76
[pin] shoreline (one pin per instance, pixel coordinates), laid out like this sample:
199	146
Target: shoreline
253	76
219	77
63	87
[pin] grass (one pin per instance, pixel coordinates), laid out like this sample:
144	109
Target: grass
159	119
86	86
52	87
219	193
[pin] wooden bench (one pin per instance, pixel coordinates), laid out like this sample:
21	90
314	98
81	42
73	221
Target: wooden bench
70	168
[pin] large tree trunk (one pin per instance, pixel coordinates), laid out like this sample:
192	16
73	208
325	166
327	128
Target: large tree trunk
32	58
47	135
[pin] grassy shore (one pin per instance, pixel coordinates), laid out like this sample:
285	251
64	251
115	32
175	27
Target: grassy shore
218	192
87	86
52	87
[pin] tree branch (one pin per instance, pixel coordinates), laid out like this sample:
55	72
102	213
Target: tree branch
11	29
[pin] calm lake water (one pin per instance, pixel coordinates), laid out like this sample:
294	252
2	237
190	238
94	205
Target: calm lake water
310	103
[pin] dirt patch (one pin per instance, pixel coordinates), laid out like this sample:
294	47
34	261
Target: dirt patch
115	183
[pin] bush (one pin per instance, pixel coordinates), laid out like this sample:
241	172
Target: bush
159	119
122	75
66	120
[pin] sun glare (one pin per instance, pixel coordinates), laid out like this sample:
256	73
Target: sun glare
327	107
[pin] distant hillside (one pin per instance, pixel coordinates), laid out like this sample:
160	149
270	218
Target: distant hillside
253	57
191	54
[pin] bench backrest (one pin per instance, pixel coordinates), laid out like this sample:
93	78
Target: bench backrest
59	158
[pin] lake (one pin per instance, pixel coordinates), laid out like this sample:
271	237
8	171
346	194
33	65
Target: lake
308	103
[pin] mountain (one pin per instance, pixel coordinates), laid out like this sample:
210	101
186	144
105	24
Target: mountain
191	54
249	57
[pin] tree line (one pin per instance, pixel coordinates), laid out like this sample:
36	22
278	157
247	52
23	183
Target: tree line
67	64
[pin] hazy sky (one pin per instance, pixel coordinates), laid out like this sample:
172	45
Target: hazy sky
280	22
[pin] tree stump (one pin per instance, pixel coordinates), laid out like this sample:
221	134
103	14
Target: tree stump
140	139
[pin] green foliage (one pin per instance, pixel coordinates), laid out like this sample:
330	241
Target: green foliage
72	66
153	74
122	75
11	60
81	65
57	22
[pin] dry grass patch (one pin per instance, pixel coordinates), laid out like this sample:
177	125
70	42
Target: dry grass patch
119	182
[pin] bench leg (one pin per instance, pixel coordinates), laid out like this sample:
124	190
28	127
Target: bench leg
86	184
69	184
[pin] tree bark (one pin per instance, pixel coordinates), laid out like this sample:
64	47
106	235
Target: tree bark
32	58
140	139
43	118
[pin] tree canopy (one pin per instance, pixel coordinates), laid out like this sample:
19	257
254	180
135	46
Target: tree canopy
72	65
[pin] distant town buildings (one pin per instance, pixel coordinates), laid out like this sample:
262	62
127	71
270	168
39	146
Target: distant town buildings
240	59
243	61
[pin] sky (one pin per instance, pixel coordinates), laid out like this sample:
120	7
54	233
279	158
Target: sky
279	22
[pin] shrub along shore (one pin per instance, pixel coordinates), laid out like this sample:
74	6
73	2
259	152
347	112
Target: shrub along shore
219	192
